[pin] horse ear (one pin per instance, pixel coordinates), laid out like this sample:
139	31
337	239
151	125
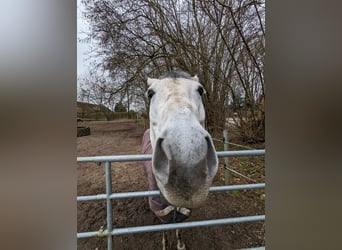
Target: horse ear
150	81
195	78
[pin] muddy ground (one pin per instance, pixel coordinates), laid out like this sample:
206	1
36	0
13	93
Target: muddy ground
124	137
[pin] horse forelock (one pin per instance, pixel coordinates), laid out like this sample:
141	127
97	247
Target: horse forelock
176	92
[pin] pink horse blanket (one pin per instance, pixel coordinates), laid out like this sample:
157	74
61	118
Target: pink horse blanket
154	201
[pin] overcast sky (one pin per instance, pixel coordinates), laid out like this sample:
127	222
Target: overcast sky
82	48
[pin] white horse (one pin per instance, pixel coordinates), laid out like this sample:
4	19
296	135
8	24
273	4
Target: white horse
184	158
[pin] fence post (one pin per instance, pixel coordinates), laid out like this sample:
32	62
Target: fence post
109	204
226	159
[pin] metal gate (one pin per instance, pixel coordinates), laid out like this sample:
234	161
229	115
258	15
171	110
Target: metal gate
108	196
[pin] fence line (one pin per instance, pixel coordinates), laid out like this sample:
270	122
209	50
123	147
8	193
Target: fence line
109	203
109	232
234	144
226	164
244	176
172	226
157	192
148	157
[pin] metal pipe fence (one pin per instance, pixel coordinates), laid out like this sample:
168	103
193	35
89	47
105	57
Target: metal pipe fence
109	232
148	157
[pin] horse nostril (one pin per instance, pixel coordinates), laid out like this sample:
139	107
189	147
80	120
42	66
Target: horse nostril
160	162
212	160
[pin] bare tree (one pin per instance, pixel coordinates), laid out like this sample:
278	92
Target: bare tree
240	26
220	41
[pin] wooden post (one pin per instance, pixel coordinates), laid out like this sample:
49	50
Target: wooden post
226	159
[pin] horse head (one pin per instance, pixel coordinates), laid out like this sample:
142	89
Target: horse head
184	159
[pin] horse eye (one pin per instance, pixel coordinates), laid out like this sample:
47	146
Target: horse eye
200	90
150	93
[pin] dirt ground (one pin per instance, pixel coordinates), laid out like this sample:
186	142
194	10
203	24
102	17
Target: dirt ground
124	137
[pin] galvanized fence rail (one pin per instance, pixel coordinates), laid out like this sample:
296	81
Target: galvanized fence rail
108	196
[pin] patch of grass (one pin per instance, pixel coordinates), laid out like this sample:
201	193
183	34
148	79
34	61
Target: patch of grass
236	193
250	166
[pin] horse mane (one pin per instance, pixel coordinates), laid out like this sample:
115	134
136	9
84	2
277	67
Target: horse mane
176	74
